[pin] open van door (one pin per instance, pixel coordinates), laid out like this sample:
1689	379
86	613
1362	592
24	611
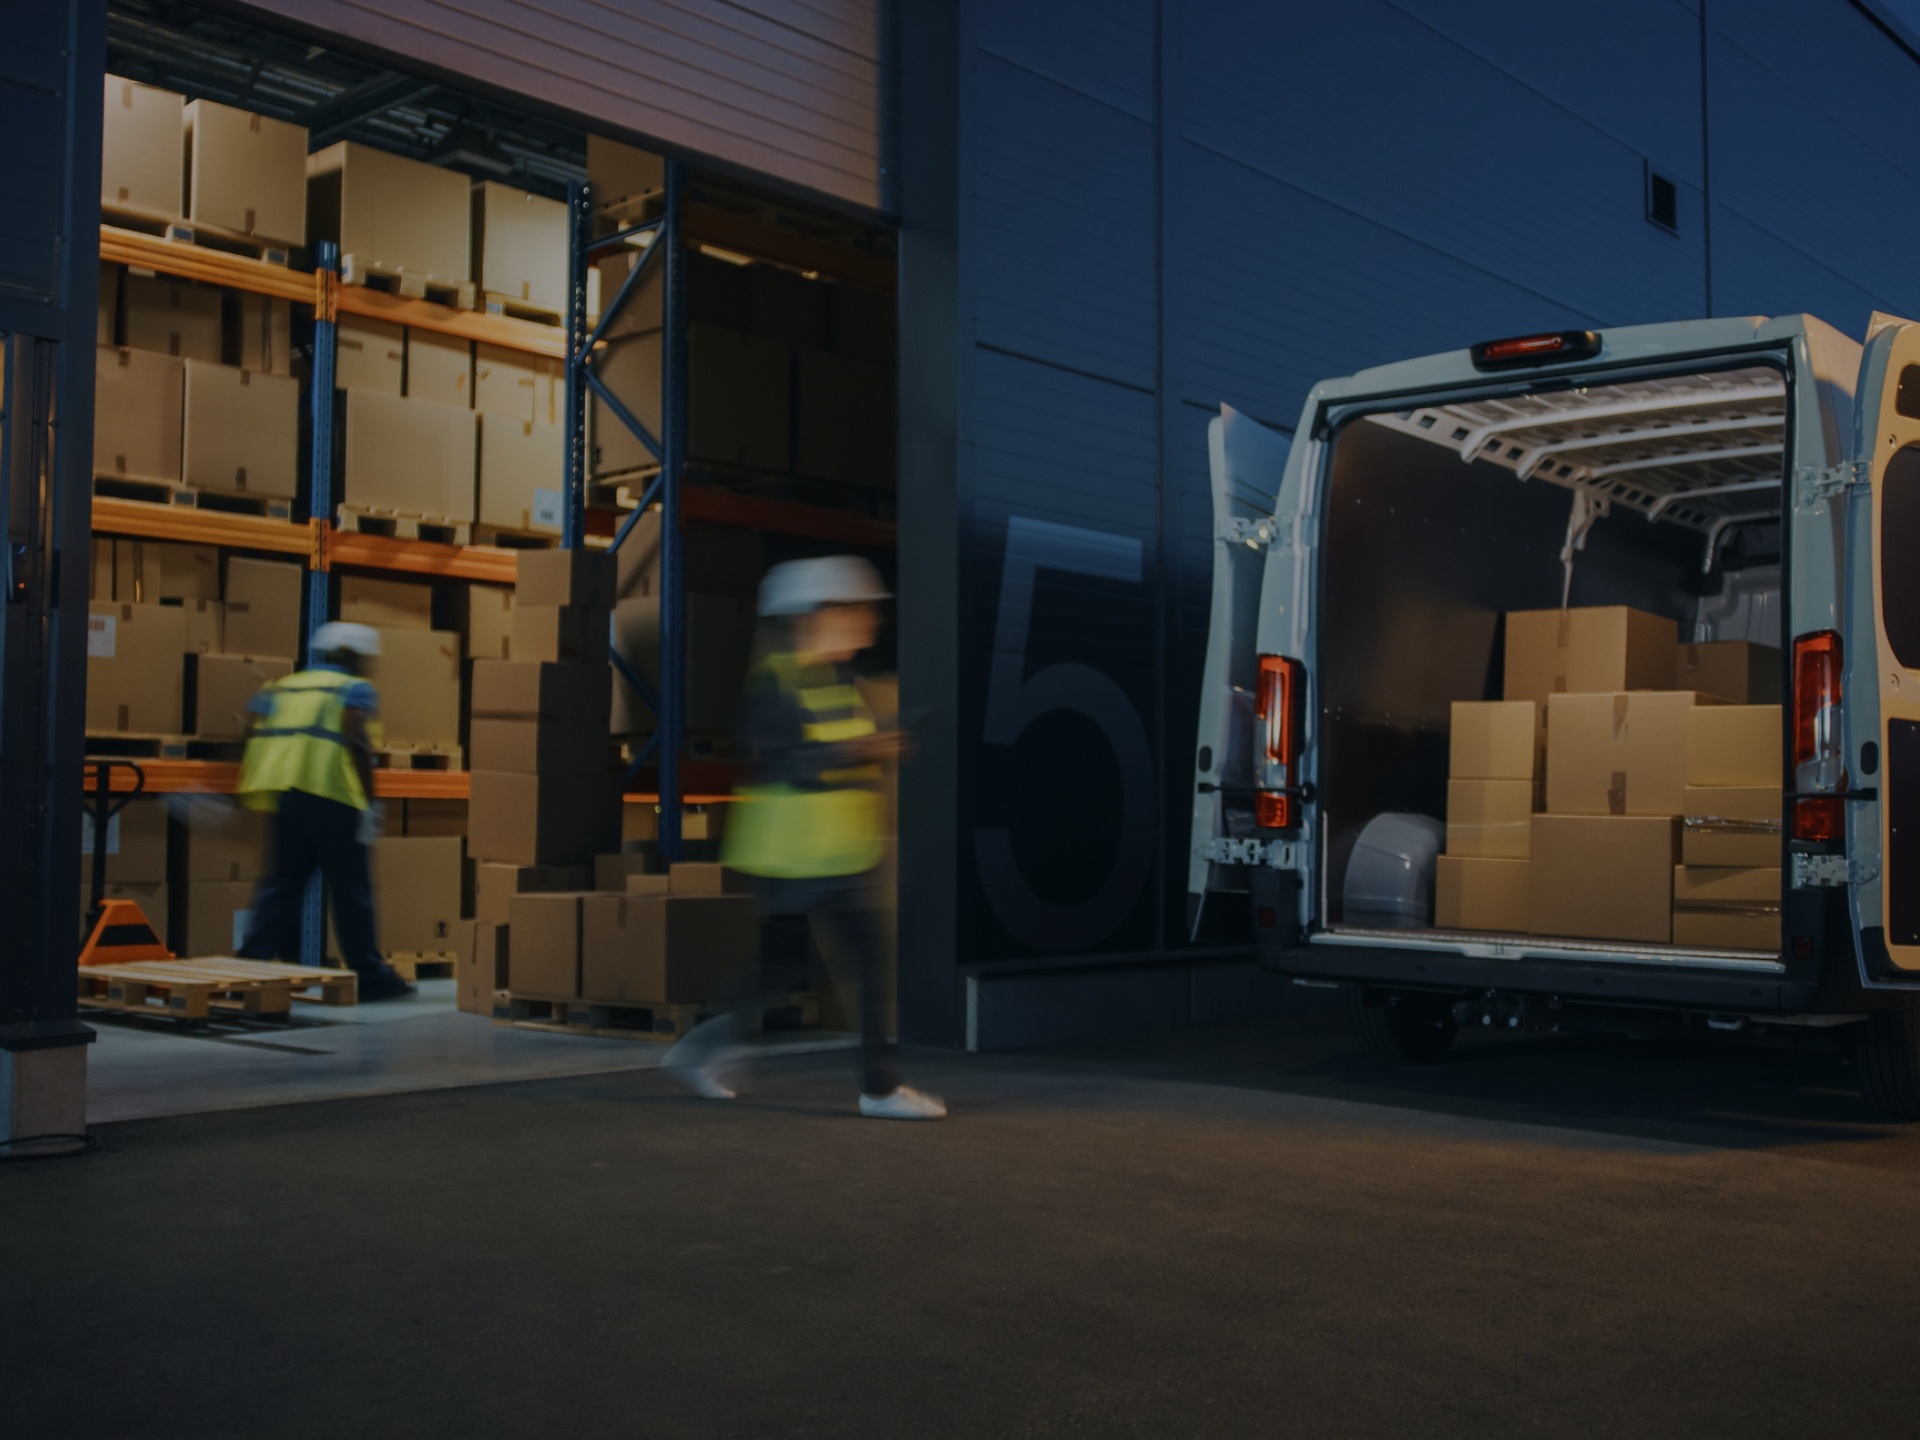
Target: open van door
1882	666
1248	463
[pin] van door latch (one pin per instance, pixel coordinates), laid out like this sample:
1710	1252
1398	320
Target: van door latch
1254	534
1270	854
1814	485
1815	871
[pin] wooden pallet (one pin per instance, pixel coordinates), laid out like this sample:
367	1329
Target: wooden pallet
193	992
507	538
182	231
421	757
430	965
623	1020
456	294
377	520
314	984
515	308
174	493
164	747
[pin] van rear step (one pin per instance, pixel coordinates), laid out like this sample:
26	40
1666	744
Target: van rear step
1502	945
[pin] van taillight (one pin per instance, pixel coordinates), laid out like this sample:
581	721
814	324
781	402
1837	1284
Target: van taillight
1279	703
1819	756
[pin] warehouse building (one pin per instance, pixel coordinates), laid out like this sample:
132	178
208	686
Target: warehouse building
958	287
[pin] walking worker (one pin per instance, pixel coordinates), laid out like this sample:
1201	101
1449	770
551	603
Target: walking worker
809	826
309	759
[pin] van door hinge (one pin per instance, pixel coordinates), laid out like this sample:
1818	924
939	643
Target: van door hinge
1272	854
1814	485
1255	534
1815	871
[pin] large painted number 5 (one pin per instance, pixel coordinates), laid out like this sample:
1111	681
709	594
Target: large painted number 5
1015	700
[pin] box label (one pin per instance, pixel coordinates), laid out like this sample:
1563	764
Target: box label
547	507
101	634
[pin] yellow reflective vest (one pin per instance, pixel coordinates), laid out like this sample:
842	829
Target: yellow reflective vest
301	742
830	824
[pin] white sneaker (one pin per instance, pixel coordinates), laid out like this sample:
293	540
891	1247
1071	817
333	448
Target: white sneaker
905	1103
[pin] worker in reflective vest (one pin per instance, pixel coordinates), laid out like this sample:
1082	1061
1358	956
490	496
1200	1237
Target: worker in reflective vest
309	759
809	827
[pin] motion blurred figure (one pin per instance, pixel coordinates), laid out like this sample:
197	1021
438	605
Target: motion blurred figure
809	825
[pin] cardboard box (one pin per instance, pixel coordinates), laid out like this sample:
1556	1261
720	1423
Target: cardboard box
206	625
584	578
631	368
136	844
519	385
100	576
530	717
543	956
494	886
1732	825
106	308
1602	877
522	474
489	622
433	817
142	164
172	317
1497	740
1474	892
612	872
1734	745
564	634
482	967
1735	671
246	172
1490	818
646	882
370	356
563	819
418	678
263	334
139	400
149	571
1618	754
386	604
663	949
701	877
214	916
241	431
224	843
1727	908
843	418
221	687
439	369
1587	651
644	311
150	896
719	648
416	893
135	670
715	559
388	212
410	456
742	395
620	174
263	607
520	246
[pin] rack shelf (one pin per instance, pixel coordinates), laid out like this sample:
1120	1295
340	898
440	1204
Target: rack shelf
146	521
219	777
197	262
550	340
488	563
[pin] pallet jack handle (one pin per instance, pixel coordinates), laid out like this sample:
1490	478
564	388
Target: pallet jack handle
101	808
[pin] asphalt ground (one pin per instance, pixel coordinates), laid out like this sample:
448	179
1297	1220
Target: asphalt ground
1240	1232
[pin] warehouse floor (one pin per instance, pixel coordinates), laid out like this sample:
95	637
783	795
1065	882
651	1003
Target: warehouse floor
1226	1233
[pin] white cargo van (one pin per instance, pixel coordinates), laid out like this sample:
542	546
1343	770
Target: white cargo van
1751	479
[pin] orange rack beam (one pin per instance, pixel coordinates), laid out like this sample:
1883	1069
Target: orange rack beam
198	262
150	521
419	557
467	324
222	777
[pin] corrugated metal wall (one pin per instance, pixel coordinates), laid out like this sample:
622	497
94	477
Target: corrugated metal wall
791	88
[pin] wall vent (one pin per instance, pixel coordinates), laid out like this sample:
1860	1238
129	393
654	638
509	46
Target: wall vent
1663	201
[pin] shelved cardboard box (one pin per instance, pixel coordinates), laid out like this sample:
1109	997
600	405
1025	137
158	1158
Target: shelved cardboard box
563	634
149	571
214	915
519	385
1734	745
560	819
246	172
172	317
644	310
262	607
1735	671
1491	819
529	717
107	306
263	334
719	631
1480	893
843	420
522	474
439	369
742	389
418	680
704	877
622	175
1602	877
410	456
631	369
1618	754
206	625
416	893
1732	825
664	949
1587	651
520	246
386	604
241	431
221	687
489	622
229	845
566	577
100	576
138	403
142	164
135	668
432	817
136	844
387	211
370	356
543	948
483	966
495	885
1732	908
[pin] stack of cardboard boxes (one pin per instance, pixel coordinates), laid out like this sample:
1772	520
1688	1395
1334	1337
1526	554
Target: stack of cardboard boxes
1595	852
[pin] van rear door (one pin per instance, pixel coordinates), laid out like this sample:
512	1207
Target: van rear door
1882	663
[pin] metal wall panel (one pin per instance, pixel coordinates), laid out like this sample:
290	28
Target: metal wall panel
790	88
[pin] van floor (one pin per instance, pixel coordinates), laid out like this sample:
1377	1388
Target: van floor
1250	1231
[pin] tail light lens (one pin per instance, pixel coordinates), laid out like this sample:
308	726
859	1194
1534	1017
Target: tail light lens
1280	705
1819	756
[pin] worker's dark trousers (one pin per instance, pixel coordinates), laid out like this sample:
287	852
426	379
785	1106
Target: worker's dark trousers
309	834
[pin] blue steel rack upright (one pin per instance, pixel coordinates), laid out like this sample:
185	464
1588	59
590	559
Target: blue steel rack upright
326	260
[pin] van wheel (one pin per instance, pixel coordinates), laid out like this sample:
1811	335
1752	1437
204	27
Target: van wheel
1402	1027
1886	1053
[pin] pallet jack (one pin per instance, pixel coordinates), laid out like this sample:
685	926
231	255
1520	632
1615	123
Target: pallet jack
118	931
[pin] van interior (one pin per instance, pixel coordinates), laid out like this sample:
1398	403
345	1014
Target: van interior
1664	494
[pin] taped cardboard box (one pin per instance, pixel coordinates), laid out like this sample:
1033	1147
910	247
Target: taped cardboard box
220	688
263	334
1618	754
142	164
494	885
483	966
135	668
416	893
386	604
388	212
410	456
1586	651
246	172
230	843
560	634
489	622
664	949
520	246
206	625
370	356
559	819
1737	672
241	431
149	571
522	474
1497	740
519	385
136	844
1490	818
213	917
1734	745
1602	877
529	717
584	578
418	680
138	406
439	369
621	175
1732	825
1730	908
172	317
262	607
1473	892
543	948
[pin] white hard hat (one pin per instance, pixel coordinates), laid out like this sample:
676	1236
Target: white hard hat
799	587
337	635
